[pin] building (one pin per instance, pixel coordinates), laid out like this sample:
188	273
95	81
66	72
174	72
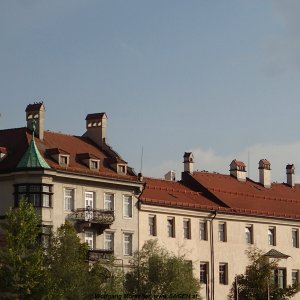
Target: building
76	178
213	219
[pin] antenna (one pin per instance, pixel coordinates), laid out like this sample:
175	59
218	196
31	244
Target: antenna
248	164
142	160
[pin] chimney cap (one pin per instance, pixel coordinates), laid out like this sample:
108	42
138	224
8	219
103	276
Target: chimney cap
96	116
237	163
188	157
290	167
35	106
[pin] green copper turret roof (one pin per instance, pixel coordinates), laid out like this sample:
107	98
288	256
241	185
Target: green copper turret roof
32	157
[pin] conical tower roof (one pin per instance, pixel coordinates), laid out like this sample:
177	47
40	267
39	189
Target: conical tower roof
32	158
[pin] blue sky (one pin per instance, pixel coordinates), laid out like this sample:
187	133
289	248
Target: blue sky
219	78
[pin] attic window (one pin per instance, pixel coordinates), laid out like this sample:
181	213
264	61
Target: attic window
63	160
36	116
29	116
94	164
121	169
89	124
3	153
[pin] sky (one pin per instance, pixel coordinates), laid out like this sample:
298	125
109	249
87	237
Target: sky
218	78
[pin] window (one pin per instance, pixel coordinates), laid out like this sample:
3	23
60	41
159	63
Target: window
295	238
222	232
203	231
109	241
249	234
89	238
45	235
278	277
94	164
109	200
295	277
204	272
127	206
171	227
187	229
272	236
39	195
127	242
223	271
152	225
69	199
121	169
63	160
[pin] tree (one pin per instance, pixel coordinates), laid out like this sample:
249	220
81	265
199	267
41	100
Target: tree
257	281
156	272
67	269
21	259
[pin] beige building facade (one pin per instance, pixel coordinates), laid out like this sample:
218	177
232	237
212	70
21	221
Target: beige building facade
207	218
76	178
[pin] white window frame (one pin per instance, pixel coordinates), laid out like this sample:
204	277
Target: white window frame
111	202
295	238
69	200
109	241
127	206
272	236
89	237
203	231
249	234
127	244
187	229
222	235
152	225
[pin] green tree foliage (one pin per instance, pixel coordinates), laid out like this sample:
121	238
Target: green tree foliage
156	272
257	281
67	269
21	260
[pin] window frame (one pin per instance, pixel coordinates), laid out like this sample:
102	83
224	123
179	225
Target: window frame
295	279
109	242
272	236
111	201
223	273
203	277
171	227
69	206
152	227
203	231
127	244
35	193
222	234
249	235
187	229
128	207
295	238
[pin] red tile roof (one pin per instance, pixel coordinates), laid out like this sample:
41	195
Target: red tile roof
172	193
17	140
224	193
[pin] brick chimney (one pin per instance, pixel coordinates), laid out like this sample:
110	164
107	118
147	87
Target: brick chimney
96	128
36	111
264	167
290	175
238	170
188	161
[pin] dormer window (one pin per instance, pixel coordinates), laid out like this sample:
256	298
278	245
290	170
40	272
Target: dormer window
122	169
63	160
94	164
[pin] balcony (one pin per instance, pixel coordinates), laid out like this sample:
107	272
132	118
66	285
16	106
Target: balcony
98	219
100	254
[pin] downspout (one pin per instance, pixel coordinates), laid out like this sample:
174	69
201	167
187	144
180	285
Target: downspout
212	256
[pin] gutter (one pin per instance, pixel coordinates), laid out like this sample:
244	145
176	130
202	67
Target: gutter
212	256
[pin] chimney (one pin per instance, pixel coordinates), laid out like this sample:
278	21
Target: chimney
238	170
188	161
171	176
96	128
264	167
290	175
36	111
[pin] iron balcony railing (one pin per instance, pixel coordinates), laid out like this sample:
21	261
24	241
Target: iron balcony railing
98	216
100	254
